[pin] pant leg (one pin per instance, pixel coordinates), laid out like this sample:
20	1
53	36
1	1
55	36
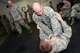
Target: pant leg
18	27
21	22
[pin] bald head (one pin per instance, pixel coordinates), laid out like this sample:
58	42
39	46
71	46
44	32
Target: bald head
45	46
10	4
38	8
36	5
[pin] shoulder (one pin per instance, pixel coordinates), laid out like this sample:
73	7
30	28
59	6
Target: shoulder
48	9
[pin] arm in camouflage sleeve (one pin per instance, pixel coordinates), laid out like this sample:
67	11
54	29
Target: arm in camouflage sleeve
56	27
62	41
21	12
11	17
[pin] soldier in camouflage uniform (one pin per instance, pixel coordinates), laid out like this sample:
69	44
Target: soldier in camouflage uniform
76	11
66	8
17	16
50	28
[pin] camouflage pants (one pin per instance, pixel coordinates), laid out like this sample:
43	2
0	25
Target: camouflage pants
18	25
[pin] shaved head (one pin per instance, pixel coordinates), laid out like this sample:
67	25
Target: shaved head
38	8
45	46
36	5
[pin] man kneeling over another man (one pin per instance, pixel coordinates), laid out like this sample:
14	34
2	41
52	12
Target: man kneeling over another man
57	43
54	32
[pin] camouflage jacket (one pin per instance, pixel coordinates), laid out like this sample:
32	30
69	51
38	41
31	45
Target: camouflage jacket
16	13
48	22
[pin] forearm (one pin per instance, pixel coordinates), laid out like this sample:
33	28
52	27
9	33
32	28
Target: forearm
56	27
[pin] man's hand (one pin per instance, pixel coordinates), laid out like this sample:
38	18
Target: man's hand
59	17
38	27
